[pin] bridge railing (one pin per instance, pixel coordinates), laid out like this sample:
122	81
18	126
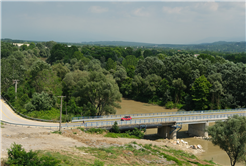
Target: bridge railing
164	120
158	114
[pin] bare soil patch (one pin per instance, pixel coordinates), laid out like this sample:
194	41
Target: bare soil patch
137	107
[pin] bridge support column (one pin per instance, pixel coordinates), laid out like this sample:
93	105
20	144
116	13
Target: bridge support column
167	132
198	129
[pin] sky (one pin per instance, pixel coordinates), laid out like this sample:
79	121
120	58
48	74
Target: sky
159	22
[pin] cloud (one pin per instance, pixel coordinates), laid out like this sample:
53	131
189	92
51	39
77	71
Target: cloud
210	6
170	10
141	12
97	9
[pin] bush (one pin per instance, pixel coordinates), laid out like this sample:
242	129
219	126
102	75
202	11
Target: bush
81	128
18	156
136	132
115	128
56	132
179	106
93	130
169	105
98	163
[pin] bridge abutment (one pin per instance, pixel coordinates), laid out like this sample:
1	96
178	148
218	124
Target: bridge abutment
198	129
167	132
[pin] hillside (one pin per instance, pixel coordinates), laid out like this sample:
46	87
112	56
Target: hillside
75	147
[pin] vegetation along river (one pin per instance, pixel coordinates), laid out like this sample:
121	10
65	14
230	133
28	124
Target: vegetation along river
211	152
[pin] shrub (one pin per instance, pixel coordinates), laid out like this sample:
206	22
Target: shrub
56	132
98	163
179	106
169	105
93	130
115	128
136	132
18	156
81	128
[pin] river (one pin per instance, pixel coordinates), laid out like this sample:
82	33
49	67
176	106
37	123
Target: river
211	152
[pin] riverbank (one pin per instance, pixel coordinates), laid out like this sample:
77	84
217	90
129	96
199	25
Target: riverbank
79	144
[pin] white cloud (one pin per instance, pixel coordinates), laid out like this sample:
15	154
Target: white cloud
141	12
175	10
97	9
211	6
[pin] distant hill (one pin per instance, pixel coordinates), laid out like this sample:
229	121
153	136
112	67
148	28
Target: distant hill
219	46
117	43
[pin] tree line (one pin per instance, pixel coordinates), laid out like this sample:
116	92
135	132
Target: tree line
95	78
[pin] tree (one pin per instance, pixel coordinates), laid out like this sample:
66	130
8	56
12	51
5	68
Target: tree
230	135
115	127
41	101
110	64
150	65
101	91
147	53
216	89
200	92
179	86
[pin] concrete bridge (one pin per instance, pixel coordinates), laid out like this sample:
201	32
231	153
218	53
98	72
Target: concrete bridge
169	126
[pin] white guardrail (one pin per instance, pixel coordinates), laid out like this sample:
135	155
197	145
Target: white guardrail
105	117
163	120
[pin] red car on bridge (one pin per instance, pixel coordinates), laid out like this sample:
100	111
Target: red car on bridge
125	118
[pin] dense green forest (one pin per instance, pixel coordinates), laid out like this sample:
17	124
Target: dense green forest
95	78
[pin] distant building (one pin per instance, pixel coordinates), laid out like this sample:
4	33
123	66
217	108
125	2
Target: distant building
68	45
196	55
20	44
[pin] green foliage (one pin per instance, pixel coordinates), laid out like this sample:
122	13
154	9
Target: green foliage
170	105
110	64
230	135
41	101
120	135
179	86
136	132
94	130
98	163
18	156
200	92
81	128
56	132
52	114
115	127
101	91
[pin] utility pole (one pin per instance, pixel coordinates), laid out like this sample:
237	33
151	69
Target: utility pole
15	82
66	112
60	112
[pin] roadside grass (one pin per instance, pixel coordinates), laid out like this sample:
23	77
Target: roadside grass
120	135
66	159
129	154
210	161
97	131
2	125
56	132
92	130
142	151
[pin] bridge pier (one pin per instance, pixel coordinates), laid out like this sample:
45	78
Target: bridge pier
198	129
167	132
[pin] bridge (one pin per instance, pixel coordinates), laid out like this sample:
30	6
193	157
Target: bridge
167	123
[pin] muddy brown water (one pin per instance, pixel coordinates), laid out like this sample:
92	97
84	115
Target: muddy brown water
211	152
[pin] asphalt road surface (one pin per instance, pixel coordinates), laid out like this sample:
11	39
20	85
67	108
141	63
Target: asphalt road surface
8	115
